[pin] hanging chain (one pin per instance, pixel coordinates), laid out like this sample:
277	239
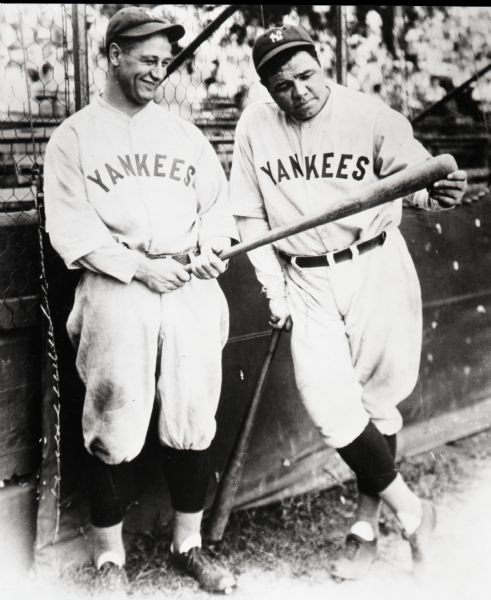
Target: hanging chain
36	183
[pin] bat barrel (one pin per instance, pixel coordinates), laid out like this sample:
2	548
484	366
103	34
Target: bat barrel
405	182
227	490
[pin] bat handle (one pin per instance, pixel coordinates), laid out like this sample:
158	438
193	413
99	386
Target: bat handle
224	254
229	483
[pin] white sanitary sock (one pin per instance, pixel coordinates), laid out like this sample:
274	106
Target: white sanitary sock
108	545
410	522
364	530
192	541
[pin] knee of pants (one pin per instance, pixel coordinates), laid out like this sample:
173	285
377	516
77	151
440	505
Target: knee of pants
390	423
381	406
112	454
197	435
339	417
113	438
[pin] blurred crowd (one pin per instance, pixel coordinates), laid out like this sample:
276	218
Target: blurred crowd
430	51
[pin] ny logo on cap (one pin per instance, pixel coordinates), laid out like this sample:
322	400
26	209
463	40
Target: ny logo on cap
276	36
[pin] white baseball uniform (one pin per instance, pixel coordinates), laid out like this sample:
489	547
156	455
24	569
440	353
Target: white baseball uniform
356	337
117	187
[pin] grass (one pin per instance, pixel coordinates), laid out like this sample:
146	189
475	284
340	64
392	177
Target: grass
296	537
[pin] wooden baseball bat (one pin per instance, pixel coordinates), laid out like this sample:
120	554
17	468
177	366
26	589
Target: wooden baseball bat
229	483
409	180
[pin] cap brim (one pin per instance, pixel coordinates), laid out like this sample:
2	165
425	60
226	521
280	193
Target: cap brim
173	32
282	48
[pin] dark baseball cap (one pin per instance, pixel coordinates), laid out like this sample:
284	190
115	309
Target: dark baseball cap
137	21
276	40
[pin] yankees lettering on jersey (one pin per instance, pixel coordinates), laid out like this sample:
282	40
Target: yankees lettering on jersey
150	182
323	165
142	165
284	169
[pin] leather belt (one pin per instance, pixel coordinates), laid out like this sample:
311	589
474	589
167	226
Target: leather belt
340	256
181	258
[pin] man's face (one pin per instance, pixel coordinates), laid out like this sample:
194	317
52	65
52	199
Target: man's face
299	88
142	68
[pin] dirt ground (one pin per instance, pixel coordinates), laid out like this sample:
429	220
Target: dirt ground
284	551
459	556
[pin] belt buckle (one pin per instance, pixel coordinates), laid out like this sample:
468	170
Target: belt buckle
331	261
355	252
352	250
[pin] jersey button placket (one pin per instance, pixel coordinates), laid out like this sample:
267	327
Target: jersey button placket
141	197
306	133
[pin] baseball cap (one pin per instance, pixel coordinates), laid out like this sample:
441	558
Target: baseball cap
276	40
136	21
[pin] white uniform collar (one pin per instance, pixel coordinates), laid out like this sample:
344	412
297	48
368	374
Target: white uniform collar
119	113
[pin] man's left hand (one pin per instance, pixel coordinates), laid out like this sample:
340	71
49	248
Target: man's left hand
208	264
449	191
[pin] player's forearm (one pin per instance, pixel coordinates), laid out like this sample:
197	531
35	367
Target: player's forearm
145	271
115	261
423	199
269	270
396	148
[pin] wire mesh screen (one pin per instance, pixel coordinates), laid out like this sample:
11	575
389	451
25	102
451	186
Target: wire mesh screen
33	66
408	56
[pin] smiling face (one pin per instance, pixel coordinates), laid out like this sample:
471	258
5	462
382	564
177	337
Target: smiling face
299	87
139	68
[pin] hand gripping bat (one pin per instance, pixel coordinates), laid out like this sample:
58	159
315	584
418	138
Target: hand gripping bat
405	182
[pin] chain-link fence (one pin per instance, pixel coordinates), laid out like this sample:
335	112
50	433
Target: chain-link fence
30	41
408	56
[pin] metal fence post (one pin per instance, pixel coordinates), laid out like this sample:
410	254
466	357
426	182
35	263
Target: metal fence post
80	55
341	55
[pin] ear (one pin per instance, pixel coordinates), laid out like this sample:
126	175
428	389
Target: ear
114	54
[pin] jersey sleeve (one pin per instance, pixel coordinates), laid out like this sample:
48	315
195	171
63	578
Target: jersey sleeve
245	194
215	213
74	228
396	148
264	259
120	263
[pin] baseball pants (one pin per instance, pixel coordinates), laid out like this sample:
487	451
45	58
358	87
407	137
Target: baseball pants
356	339
135	346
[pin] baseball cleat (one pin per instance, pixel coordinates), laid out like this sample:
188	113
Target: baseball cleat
358	555
210	576
111	583
420	539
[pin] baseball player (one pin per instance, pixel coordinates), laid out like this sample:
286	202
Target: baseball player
349	288
133	194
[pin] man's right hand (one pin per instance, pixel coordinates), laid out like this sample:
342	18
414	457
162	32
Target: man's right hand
162	275
279	314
